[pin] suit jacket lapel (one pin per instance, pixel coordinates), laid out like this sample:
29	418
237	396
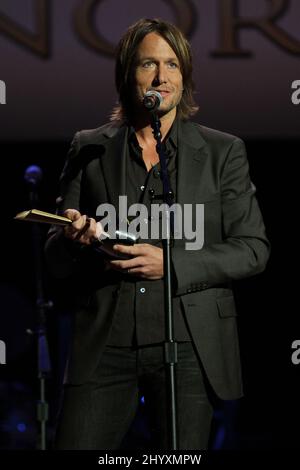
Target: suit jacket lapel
192	155
114	165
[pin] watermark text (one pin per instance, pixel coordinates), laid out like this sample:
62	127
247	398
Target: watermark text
296	94
2	92
2	352
187	221
296	354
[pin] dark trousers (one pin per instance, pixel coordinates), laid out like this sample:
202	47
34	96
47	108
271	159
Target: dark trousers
98	414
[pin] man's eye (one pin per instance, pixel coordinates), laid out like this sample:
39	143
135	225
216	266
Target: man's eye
173	65
146	65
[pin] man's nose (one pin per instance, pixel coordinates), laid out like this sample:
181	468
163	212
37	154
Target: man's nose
161	74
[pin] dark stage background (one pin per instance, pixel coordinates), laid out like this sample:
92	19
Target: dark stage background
62	83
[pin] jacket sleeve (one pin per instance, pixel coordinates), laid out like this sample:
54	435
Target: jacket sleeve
244	248
63	255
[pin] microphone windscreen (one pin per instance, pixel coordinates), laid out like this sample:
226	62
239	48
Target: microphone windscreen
33	174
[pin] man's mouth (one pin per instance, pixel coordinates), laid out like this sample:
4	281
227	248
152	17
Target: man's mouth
164	93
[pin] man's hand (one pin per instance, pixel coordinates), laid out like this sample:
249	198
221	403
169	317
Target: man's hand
146	261
83	229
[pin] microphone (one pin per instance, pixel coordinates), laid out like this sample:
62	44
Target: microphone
33	175
152	100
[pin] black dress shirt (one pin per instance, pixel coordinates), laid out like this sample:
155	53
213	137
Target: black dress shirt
139	318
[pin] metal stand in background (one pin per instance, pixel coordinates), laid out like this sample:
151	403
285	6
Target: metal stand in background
33	177
170	343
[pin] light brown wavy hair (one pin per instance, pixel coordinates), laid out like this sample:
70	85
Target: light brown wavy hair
125	62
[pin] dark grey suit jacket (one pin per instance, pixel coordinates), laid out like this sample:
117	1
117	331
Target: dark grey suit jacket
213	170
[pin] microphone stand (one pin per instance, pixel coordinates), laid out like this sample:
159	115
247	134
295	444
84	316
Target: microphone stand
32	176
170	343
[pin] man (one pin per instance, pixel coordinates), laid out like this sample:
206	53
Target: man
117	347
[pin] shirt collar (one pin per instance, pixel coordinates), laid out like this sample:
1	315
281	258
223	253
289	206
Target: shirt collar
170	141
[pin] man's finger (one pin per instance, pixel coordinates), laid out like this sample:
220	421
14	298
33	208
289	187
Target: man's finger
134	250
72	214
127	264
84	229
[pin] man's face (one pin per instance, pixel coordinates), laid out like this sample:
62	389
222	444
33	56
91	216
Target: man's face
157	68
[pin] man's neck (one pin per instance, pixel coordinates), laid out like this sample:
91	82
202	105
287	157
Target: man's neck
144	132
